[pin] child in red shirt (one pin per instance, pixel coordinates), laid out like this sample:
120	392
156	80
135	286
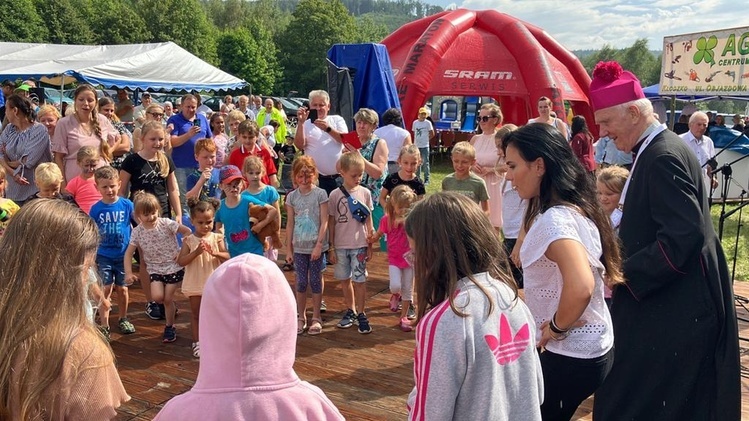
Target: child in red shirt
248	135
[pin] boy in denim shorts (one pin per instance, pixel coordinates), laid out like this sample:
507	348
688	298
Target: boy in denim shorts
348	231
112	215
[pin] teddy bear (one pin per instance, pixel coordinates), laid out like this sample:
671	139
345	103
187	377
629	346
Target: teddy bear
257	214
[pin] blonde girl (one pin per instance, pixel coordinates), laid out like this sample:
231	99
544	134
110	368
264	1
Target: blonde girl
201	253
609	185
83	187
307	240
409	160
401	271
53	356
156	238
234	118
154	112
85	127
254	171
152	171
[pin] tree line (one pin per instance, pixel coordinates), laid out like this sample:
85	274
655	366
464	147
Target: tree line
276	45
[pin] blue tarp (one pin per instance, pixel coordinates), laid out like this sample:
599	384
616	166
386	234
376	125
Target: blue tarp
721	136
369	64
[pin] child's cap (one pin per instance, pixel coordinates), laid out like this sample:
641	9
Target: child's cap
423	110
229	173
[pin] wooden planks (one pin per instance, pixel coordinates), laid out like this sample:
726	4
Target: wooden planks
368	377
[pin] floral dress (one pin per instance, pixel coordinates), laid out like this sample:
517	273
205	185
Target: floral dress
373	184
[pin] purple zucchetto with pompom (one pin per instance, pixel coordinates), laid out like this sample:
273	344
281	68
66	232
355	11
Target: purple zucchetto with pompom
612	85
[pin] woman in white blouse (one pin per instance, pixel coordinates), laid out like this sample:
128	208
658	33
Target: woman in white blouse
568	248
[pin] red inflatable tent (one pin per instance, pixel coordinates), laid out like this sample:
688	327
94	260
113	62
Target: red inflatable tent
486	53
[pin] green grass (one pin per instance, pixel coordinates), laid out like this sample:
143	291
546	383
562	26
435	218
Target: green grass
441	166
731	225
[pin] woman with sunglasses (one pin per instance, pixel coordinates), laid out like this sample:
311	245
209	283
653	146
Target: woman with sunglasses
490	118
154	112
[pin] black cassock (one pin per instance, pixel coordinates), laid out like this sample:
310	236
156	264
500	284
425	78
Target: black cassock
676	353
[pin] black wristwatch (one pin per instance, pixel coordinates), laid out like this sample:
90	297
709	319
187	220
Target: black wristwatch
329	129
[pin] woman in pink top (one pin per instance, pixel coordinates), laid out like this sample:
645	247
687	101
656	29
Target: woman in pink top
490	116
85	127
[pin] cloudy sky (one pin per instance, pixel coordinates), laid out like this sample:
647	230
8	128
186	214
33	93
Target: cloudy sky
589	24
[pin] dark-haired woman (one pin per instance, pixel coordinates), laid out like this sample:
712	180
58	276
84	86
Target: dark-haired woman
568	248
582	144
395	136
24	144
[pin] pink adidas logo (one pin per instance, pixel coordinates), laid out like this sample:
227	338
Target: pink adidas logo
508	348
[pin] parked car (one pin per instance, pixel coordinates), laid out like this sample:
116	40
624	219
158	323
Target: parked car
55	98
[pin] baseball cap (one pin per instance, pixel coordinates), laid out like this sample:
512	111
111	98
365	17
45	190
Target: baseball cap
24	87
423	110
229	173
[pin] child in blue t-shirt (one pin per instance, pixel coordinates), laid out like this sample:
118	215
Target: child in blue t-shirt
203	183
234	215
112	215
254	171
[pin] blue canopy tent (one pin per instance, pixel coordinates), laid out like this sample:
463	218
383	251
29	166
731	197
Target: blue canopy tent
372	74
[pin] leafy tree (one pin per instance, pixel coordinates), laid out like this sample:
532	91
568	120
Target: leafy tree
227	14
64	21
115	22
19	22
315	26
269	14
183	22
367	30
639	60
244	55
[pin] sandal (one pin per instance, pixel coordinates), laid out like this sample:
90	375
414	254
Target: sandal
287	267
301	324
316	327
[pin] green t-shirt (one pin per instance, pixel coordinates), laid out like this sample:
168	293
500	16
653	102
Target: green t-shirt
473	187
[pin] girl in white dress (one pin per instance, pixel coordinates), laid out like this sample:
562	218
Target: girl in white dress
490	116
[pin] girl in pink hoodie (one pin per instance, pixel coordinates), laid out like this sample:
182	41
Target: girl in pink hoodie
246	364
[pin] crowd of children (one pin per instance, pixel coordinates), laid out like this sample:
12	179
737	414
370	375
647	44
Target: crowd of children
139	217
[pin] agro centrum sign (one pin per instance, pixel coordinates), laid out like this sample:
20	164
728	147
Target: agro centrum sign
706	63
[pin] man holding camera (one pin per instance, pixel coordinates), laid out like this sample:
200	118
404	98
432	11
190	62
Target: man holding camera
320	137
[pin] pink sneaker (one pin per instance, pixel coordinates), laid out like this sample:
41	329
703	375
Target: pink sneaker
406	325
394	301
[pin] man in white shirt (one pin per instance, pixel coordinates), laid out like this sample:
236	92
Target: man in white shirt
321	139
702	146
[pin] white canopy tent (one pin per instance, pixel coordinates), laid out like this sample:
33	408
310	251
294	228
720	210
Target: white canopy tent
162	66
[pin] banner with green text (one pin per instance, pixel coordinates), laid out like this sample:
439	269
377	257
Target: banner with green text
706	63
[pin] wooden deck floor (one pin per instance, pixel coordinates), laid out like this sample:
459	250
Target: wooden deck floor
368	377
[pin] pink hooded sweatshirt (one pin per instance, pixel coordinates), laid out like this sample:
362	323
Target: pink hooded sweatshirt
247	350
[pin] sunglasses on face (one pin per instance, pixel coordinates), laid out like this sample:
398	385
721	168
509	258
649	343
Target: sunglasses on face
486	118
157	115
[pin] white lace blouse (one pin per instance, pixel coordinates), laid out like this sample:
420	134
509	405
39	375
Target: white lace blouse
543	281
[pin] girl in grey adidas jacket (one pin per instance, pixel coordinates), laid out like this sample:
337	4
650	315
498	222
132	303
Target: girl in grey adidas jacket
475	354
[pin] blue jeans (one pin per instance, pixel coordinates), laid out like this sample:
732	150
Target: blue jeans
181	175
424	164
